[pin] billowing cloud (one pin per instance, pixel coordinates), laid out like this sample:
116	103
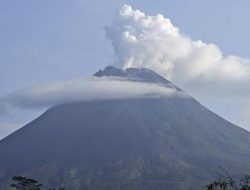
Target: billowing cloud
94	88
154	42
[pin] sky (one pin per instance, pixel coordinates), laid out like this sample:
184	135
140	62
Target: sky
60	40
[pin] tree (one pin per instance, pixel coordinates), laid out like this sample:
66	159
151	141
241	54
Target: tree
23	183
226	182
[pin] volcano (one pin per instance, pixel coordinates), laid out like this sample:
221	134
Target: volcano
153	143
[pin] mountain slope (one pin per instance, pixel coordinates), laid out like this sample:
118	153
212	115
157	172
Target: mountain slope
135	144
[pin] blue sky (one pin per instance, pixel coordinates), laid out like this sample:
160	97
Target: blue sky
55	40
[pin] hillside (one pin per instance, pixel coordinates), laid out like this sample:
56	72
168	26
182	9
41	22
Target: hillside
132	144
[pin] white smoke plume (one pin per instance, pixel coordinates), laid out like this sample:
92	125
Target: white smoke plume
154	42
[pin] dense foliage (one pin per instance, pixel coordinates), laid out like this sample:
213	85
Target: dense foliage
227	182
24	183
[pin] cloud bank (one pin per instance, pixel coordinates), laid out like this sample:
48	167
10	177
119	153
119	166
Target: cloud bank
154	42
104	88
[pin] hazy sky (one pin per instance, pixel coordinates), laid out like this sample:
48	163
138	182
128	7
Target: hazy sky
55	40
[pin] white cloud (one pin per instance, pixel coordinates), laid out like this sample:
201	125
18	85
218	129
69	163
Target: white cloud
86	90
41	97
201	69
154	42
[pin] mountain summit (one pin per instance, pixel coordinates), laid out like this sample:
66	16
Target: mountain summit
141	74
131	144
135	74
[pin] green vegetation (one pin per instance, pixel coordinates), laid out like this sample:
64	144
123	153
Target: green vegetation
227	182
24	183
